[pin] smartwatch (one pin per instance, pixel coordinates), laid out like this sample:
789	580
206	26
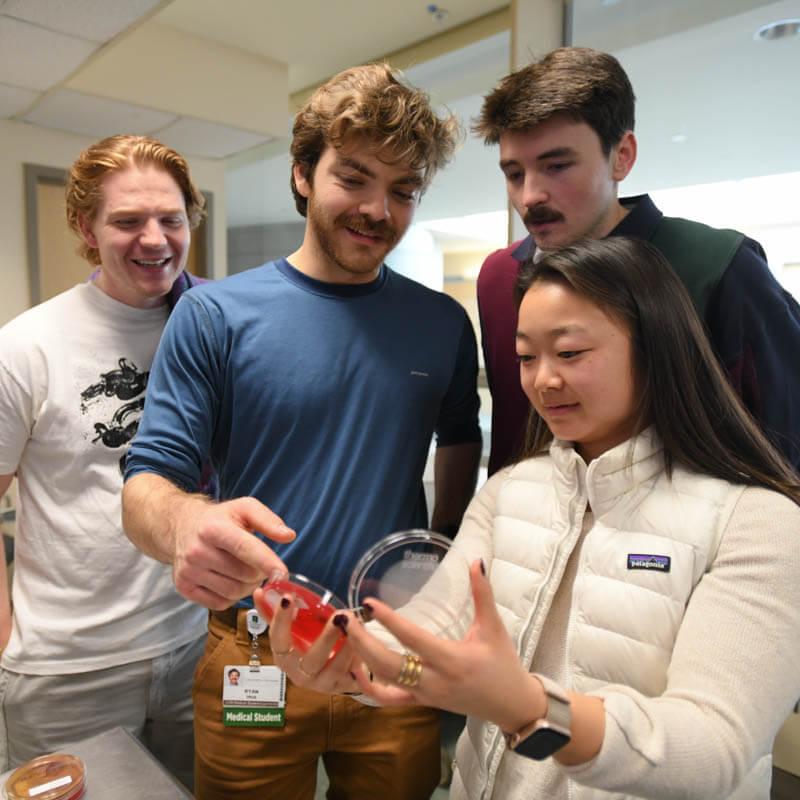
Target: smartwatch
543	737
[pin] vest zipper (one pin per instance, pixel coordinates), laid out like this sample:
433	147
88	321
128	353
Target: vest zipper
574	525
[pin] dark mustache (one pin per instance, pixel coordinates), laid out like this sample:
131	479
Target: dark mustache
380	228
540	214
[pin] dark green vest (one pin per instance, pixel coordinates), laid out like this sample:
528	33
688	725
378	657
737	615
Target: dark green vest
698	253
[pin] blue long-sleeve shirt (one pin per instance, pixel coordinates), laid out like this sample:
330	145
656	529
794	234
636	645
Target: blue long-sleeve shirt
320	400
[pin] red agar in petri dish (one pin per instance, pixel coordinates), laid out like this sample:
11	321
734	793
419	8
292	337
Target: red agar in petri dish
314	606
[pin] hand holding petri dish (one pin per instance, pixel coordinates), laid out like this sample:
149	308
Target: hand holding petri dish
393	571
314	606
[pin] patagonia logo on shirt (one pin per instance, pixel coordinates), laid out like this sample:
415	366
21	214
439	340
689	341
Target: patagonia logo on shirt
657	563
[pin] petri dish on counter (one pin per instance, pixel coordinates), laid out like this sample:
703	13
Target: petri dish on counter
314	604
58	776
397	567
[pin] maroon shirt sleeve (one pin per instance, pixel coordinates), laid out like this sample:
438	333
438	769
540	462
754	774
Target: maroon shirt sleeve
498	315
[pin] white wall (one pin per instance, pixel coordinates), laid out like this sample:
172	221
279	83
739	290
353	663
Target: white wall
419	257
21	144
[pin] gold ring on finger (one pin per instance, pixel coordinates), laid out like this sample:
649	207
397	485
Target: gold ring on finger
410	670
303	671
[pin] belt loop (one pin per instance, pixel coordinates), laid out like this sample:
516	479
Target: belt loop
228	617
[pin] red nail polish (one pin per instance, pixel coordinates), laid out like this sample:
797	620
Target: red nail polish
483	568
367	612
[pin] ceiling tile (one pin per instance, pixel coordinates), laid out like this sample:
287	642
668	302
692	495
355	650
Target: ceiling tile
97	20
13	100
160	67
95	116
34	58
209	139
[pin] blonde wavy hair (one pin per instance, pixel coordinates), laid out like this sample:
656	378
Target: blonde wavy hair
373	102
84	192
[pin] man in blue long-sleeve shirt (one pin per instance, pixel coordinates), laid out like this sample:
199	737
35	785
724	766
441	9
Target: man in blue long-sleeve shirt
314	384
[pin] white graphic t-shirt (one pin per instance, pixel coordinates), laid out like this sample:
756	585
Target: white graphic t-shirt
73	375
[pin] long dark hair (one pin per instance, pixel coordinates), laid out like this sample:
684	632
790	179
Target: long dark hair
684	391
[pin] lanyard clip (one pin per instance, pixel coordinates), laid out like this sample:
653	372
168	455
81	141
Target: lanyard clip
256	625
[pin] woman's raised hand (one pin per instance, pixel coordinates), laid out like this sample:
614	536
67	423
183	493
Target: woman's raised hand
481	675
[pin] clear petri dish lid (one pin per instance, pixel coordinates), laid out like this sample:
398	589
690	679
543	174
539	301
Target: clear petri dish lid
397	567
58	776
314	606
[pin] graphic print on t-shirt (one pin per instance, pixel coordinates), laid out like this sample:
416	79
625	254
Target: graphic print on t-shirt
125	383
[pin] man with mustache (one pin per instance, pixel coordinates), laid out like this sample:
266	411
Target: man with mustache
314	383
565	129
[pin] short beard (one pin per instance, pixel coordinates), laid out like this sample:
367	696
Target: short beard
324	229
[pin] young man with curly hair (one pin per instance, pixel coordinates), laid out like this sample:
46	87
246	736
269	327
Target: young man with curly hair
315	384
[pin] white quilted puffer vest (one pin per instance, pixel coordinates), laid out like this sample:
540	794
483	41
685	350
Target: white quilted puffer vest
623	621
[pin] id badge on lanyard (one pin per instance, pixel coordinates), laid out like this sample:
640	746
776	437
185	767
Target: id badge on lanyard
253	696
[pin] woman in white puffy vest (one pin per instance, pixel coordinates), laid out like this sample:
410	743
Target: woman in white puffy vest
619	615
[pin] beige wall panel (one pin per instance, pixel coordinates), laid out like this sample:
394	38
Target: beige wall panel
60	267
196	259
464	267
537	27
465	264
786	754
23	143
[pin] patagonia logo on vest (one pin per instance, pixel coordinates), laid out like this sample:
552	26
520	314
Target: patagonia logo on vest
656	563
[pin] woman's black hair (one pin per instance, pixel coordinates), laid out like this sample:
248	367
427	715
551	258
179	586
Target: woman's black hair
684	392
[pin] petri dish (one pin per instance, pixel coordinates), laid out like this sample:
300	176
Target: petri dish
58	776
397	567
314	604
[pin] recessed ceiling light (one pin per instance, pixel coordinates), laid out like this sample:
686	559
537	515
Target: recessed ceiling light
679	138
781	29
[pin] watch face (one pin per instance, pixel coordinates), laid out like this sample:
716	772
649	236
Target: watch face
542	743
